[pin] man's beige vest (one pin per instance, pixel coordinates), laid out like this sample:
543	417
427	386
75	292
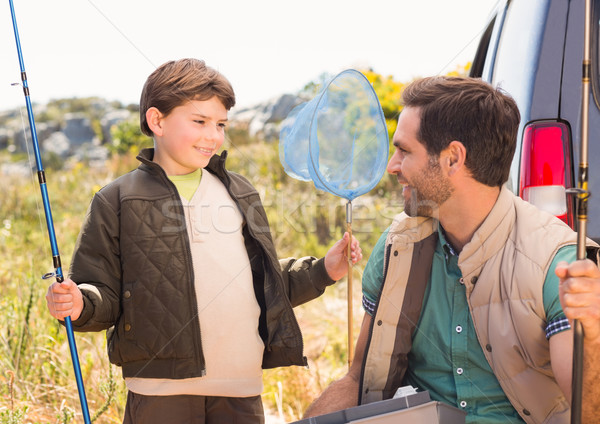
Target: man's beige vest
504	267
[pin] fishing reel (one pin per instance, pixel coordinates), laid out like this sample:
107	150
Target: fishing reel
49	275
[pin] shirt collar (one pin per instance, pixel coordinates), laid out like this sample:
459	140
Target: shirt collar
446	246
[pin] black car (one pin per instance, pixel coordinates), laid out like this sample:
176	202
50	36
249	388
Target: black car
533	49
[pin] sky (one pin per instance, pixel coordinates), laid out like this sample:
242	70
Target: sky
107	48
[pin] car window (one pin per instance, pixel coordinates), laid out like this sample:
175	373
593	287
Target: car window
517	58
482	51
517	55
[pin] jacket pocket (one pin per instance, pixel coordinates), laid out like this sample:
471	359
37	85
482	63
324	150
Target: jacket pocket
126	326
128	340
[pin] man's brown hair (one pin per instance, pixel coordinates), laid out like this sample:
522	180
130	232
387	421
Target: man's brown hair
483	118
177	82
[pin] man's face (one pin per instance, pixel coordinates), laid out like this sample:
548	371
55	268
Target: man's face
426	188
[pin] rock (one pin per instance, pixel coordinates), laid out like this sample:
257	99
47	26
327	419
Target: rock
5	137
113	118
78	129
91	153
263	120
21	169
57	143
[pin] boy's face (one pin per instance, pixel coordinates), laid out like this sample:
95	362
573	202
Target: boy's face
189	136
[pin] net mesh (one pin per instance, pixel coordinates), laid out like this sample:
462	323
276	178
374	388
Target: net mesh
339	139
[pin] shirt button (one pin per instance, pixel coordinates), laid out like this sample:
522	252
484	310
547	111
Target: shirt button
458	329
463	404
127	327
127	294
461	280
459	371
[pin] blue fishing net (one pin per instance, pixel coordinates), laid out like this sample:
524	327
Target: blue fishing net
339	139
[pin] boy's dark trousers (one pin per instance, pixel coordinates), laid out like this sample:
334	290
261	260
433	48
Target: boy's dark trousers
189	409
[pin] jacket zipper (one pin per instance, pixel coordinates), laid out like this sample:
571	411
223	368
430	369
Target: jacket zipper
194	302
227	181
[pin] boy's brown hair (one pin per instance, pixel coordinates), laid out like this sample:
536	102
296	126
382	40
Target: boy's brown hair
483	118
177	82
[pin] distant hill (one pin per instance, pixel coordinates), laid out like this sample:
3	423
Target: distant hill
67	125
81	128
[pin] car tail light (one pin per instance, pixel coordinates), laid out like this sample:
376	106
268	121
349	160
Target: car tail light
546	168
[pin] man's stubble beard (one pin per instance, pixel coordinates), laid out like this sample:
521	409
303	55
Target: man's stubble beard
430	189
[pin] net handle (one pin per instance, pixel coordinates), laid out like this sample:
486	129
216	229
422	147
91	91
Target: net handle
350	311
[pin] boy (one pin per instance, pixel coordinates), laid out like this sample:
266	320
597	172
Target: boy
175	259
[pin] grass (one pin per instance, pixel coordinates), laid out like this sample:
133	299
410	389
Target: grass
36	376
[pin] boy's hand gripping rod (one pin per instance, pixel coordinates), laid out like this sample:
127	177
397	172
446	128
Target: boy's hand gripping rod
58	274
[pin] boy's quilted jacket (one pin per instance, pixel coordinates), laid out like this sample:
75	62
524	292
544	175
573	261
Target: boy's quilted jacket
133	264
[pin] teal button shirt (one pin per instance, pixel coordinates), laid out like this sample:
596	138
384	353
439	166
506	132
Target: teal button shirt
446	358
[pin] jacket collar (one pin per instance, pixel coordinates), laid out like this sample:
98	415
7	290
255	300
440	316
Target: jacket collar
216	164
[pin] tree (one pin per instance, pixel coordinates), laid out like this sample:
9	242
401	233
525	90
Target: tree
127	136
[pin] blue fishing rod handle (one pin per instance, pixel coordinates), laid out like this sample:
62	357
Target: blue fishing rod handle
77	369
58	274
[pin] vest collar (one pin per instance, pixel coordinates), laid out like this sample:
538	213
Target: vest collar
405	229
490	237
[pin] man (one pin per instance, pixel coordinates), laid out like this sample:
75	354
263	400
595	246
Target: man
462	291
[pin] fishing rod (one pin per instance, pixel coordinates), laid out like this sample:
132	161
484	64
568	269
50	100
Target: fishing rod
58	273
582	194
